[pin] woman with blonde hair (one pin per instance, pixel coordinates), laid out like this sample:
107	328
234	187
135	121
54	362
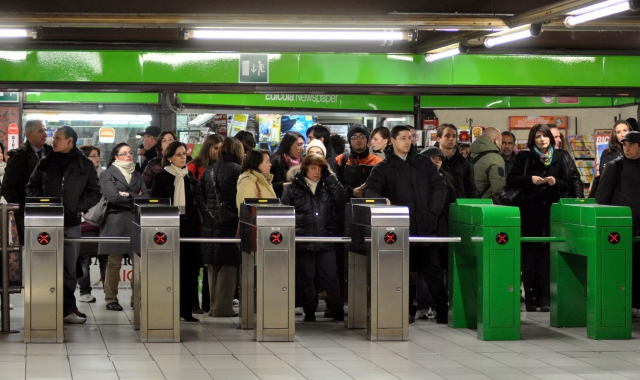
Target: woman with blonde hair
256	177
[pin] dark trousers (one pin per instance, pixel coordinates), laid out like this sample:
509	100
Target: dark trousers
70	281
323	264
427	260
535	270
187	272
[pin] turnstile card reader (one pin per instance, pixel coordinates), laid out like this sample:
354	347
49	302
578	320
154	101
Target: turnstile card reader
44	269
267	284
383	231
159	282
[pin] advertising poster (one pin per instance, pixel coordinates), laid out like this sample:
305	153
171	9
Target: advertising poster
220	122
602	143
527	122
269	126
476	131
236	123
430	137
464	134
297	123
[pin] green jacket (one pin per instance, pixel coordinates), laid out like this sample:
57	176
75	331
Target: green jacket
489	169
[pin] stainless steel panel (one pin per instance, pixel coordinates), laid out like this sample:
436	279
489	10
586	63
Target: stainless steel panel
247	292
161	290
357	291
45	215
390	286
376	215
43	281
270	215
276	289
156	215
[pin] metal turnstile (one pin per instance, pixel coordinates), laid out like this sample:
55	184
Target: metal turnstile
44	269
158	279
267	284
356	268
381	233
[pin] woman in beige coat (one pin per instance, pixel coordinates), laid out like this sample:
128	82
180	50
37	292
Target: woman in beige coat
255	180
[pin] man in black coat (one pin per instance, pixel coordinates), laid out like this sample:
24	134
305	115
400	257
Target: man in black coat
619	184
454	162
149	139
406	178
21	163
68	174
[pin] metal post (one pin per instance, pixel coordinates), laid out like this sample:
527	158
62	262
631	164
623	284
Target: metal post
4	229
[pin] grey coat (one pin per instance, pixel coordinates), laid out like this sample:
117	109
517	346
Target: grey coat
119	219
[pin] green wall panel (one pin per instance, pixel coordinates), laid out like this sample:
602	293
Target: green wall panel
320	68
527	70
621	71
464	101
304	101
380	69
91	97
536	102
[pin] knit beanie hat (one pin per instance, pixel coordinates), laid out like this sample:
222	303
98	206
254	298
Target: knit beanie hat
318	144
432	151
357	128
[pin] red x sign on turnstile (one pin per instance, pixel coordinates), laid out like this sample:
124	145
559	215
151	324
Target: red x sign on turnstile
614	238
44	238
160	238
275	238
390	237
502	238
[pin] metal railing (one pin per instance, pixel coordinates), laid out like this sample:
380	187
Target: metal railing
6	249
434	239
98	240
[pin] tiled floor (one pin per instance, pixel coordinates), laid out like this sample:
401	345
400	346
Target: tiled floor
107	347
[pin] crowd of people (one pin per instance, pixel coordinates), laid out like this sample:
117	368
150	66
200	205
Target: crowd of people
317	176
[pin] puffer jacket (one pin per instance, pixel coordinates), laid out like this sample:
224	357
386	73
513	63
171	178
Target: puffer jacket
78	185
249	183
488	171
153	167
314	212
218	186
415	183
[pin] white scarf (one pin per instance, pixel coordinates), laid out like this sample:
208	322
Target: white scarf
126	168
312	184
178	184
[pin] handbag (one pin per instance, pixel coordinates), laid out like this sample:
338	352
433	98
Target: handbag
97	213
204	214
512	196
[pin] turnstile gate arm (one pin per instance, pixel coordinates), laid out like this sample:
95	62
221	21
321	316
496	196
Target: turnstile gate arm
424	239
98	240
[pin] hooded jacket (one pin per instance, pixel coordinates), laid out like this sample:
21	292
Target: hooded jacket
314	212
488	170
77	184
248	184
415	183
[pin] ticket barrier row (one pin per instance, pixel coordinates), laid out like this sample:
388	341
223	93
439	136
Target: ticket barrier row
268	269
590	268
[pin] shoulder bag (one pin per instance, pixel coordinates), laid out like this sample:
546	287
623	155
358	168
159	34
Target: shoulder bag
512	196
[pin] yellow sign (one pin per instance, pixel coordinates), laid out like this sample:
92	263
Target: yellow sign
107	135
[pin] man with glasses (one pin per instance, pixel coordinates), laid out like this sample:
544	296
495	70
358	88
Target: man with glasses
68	174
149	139
20	164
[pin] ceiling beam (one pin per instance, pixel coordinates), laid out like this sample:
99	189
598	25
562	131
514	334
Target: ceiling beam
548	12
415	21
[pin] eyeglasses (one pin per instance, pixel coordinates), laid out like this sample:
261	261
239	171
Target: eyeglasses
129	153
358	137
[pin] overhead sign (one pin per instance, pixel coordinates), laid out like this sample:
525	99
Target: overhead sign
13	136
9	97
107	135
527	122
254	68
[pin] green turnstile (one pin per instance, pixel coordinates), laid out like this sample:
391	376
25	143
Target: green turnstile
591	270
484	269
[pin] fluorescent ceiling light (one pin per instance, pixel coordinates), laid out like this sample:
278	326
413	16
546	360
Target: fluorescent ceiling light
493	41
307	35
596	11
11	33
103	117
443	54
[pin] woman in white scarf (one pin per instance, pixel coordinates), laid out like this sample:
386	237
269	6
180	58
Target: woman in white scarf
120	184
174	182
